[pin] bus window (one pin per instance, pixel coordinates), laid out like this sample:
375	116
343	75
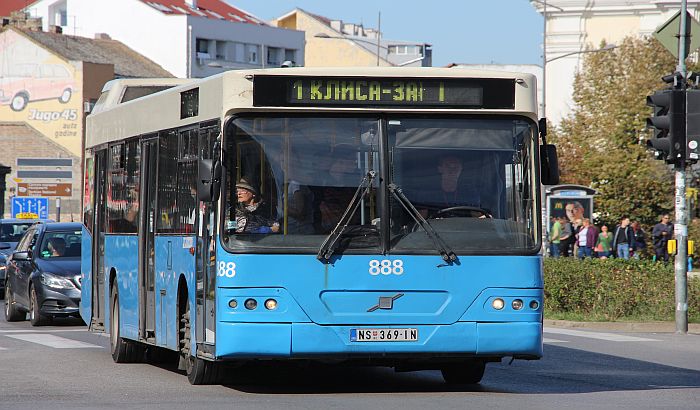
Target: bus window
303	174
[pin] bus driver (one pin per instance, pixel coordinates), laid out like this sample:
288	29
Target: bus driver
251	212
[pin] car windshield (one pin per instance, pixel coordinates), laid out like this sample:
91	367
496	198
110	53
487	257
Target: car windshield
288	181
60	244
12	232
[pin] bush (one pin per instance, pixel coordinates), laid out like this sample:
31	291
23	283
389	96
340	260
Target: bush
614	289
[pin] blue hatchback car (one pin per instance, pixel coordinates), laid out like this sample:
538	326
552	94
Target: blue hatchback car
11	230
43	273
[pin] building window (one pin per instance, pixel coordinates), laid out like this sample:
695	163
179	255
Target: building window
239	53
290	55
273	56
221	50
252	53
406	50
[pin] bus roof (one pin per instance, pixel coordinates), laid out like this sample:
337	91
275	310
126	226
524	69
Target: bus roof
224	94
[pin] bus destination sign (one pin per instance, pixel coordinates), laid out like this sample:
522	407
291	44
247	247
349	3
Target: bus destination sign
384	92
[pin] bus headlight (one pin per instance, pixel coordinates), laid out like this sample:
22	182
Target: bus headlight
517	304
250	304
498	303
270	304
233	303
534	305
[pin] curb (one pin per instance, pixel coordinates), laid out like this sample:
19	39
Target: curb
642	327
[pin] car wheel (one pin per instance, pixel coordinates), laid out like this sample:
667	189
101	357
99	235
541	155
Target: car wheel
464	373
123	351
19	102
12	314
65	96
35	315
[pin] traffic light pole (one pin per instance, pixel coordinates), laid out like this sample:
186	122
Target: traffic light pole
680	228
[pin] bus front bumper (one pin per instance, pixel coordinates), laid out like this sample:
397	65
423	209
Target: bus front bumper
309	340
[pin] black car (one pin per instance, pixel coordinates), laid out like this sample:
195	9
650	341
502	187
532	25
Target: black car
43	274
11	230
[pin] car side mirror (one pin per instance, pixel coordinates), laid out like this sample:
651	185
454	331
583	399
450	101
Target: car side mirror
22	256
549	164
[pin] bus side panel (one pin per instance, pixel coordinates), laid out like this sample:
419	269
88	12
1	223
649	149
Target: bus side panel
86	277
121	254
174	257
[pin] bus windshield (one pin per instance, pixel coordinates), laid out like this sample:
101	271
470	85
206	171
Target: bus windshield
289	180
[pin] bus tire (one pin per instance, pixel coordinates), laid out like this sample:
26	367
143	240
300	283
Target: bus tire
123	351
464	373
199	371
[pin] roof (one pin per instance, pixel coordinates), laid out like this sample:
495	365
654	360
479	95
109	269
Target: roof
8	6
127	62
211	9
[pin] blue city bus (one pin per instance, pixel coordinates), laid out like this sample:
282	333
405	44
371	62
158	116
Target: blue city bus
387	216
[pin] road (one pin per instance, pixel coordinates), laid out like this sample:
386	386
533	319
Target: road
64	366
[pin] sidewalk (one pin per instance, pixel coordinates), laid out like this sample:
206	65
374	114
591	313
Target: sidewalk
642	327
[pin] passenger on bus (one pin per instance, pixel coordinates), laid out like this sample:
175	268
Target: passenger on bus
251	213
339	189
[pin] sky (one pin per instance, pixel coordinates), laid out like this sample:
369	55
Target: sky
460	31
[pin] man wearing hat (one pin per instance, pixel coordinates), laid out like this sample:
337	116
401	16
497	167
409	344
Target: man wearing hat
251	214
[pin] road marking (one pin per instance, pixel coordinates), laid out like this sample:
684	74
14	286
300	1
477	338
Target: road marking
548	340
52	341
656	386
601	336
42	331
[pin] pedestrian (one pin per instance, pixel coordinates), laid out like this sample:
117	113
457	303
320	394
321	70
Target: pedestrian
623	238
566	238
554	236
585	238
661	233
603	245
640	240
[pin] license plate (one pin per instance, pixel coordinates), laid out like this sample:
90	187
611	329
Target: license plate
384	335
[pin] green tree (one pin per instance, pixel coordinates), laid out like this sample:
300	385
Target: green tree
602	144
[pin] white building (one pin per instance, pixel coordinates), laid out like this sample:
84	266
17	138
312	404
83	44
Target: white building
574	26
189	38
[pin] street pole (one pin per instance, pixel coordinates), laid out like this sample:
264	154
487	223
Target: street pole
681	228
544	59
379	34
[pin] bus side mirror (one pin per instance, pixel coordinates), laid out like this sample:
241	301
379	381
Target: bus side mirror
549	168
208	180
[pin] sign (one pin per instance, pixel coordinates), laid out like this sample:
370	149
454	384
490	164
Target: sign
400	92
667	34
35	205
44	189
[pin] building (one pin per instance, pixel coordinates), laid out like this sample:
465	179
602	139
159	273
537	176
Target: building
189	38
47	83
574	26
336	43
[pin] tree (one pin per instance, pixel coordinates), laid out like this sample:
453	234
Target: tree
602	144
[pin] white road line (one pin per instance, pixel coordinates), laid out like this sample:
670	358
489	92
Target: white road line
53	341
548	340
601	336
42	331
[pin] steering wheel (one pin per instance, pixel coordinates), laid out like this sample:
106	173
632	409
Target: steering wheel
455	210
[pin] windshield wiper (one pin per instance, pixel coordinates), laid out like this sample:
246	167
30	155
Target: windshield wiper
445	252
329	245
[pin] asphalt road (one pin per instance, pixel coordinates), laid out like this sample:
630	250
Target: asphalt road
64	366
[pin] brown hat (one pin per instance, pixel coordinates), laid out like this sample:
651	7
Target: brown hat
243	183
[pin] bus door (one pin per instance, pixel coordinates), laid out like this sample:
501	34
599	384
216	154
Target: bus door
147	228
98	249
206	253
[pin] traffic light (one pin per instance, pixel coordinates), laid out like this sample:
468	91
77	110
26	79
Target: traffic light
692	125
668	122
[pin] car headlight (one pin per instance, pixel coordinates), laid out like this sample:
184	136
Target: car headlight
55	281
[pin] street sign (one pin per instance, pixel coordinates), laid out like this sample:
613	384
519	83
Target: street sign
667	34
34	205
44	189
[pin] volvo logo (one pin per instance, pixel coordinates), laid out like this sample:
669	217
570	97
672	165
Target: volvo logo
385	302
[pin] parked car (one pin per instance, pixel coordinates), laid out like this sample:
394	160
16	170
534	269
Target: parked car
11	230
43	274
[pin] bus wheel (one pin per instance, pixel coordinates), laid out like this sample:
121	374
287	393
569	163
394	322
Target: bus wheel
123	351
464	373
198	371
